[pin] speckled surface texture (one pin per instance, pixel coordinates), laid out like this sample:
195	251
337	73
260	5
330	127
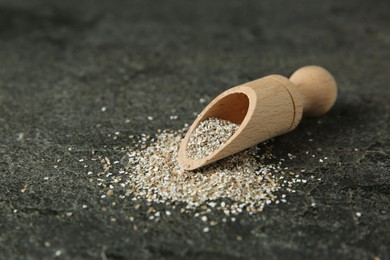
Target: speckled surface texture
62	61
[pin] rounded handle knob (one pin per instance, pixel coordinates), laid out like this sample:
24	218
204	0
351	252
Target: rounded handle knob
317	87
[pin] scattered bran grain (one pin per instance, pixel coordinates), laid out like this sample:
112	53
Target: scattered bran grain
243	181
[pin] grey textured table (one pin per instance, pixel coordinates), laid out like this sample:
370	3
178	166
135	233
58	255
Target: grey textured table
62	61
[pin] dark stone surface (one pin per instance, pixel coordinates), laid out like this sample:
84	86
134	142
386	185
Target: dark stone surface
61	61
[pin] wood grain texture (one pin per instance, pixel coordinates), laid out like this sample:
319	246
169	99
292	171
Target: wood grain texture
317	87
264	108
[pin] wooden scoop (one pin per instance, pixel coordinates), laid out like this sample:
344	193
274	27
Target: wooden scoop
264	108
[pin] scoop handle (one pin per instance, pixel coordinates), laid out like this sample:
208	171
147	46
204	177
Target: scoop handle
317	87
